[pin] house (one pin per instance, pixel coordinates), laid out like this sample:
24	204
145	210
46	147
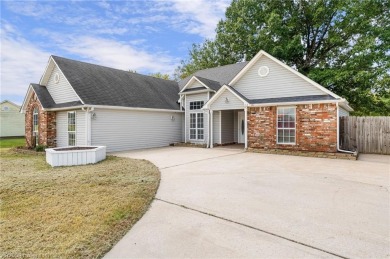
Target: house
262	104
11	121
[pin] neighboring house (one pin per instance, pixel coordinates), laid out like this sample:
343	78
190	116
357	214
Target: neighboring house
261	104
11	121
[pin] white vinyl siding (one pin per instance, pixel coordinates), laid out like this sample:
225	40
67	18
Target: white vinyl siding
62	128
126	130
343	112
278	83
62	91
216	127
232	102
11	120
195	84
194	98
227	127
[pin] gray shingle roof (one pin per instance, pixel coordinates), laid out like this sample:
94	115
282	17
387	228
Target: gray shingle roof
293	99
47	101
99	85
222	75
214	85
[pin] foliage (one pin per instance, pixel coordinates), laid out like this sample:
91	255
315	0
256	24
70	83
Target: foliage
40	148
341	44
162	76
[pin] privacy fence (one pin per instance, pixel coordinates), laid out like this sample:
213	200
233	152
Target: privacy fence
366	134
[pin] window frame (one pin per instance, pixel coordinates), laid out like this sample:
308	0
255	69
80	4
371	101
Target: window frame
35	124
196	105
71	131
286	128
196	128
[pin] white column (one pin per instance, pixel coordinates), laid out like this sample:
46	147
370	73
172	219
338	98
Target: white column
246	127
211	129
185	118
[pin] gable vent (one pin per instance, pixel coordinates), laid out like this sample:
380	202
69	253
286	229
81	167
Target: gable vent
263	71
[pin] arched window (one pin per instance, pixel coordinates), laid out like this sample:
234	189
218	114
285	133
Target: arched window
35	125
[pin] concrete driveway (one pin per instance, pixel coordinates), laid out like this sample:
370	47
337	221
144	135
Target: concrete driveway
226	203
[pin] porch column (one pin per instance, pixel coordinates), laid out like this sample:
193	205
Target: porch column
246	126
211	129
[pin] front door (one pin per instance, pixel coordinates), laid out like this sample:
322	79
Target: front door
241	127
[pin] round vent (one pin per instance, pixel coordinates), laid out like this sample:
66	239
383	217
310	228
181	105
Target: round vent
263	71
56	78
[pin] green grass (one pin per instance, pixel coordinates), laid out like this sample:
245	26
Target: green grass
70	212
12	142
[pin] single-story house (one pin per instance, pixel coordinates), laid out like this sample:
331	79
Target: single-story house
11	121
262	104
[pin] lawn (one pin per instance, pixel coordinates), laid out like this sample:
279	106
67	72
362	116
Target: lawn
71	212
12	142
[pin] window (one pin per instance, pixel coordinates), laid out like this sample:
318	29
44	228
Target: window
196	105
5	108
72	128
286	125
196	126
35	125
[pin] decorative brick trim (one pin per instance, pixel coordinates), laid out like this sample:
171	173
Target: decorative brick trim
316	128
46	124
305	153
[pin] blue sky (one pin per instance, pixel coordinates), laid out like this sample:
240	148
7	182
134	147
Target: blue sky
146	36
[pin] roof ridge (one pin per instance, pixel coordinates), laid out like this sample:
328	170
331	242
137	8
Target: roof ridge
120	70
220	66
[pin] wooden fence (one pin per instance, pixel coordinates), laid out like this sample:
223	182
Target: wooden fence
365	134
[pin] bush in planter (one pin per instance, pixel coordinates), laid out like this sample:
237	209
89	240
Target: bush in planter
40	148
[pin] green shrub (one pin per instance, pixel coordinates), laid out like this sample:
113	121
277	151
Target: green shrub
40	148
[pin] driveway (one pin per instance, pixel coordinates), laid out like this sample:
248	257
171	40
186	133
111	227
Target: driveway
226	203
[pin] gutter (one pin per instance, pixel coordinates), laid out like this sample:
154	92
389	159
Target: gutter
111	108
338	135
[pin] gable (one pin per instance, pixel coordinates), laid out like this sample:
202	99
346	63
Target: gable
227	101
59	87
7	106
280	82
195	84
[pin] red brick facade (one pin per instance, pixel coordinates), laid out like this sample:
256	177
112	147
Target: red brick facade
46	124
316	128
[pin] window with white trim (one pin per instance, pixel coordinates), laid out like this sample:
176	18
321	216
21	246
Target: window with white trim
35	125
71	128
286	125
196	126
196	105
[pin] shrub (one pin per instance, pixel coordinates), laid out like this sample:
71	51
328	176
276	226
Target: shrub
40	148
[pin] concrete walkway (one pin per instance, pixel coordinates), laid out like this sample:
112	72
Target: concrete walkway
226	203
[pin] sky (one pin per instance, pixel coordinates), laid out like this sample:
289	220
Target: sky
145	36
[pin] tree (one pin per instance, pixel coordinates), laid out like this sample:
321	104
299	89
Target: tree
341	44
162	76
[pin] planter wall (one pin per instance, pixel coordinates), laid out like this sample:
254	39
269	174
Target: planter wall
58	157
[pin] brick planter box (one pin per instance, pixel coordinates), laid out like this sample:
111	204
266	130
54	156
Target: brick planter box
75	155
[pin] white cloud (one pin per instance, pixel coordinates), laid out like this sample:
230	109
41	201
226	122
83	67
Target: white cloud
201	16
22	63
118	54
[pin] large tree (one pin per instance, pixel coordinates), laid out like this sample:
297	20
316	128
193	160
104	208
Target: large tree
341	44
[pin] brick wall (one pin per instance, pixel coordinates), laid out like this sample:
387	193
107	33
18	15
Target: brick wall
316	128
46	124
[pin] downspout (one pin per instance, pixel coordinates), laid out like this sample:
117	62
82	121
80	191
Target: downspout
88	126
338	135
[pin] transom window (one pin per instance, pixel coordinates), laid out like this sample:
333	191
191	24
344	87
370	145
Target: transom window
72	128
286	125
196	105
35	125
196	126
